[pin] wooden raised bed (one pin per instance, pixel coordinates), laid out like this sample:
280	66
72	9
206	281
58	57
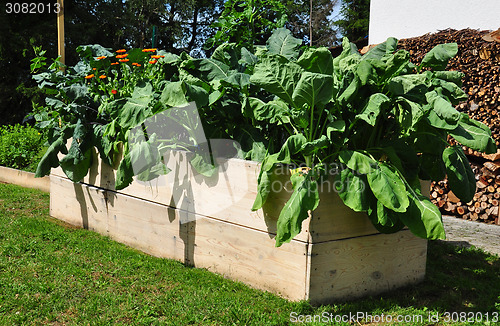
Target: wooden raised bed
207	222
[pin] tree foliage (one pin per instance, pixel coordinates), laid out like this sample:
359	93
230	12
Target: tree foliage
355	21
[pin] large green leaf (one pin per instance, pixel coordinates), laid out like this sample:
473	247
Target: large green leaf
348	49
227	53
283	43
273	111
49	159
452	91
318	60
382	49
314	146
134	110
292	146
237	79
313	89
358	161
376	103
348	94
383	219
415	111
180	93
337	126
451	76
278	76
207	69
423	217
142	156
77	163
305	197
78	160
438	57
460	176
413	86
248	57
443	108
353	190
388	187
474	134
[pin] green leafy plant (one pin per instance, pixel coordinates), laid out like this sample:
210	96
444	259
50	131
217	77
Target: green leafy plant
19	146
248	22
383	120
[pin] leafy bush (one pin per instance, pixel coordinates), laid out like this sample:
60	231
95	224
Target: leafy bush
382	119
20	146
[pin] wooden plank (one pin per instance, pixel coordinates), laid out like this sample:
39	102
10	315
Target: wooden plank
249	256
24	179
60	33
353	268
78	204
229	196
333	220
149	227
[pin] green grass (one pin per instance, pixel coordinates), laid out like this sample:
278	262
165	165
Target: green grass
55	274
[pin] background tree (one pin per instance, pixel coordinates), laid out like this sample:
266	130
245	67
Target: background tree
324	30
179	26
355	21
248	23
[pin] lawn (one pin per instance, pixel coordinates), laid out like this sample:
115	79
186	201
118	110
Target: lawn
55	274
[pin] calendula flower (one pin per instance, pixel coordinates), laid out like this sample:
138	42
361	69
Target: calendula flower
89	76
121	56
136	64
114	63
114	91
149	50
156	56
121	51
124	60
101	57
152	61
102	76
94	68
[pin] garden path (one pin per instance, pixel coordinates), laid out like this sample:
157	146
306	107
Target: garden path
467	233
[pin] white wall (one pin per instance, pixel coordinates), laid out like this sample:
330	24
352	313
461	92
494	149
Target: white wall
410	18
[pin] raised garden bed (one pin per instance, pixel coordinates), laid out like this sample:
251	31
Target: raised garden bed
207	223
24	179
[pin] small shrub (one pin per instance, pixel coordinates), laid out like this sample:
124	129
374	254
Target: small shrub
19	146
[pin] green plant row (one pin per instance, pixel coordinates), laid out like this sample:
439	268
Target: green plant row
384	120
20	146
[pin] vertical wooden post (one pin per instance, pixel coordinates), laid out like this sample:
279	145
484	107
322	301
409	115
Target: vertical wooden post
60	33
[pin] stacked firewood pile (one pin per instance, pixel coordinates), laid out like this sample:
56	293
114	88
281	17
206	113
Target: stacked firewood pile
479	59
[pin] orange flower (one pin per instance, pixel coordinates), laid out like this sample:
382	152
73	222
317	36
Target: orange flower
136	64
121	56
121	51
149	50
101	57
115	63
94	68
113	91
89	76
152	61
102	76
156	56
124	60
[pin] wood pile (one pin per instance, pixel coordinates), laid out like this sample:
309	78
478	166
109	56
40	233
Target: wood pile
479	59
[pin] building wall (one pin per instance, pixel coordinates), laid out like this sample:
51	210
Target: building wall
410	18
